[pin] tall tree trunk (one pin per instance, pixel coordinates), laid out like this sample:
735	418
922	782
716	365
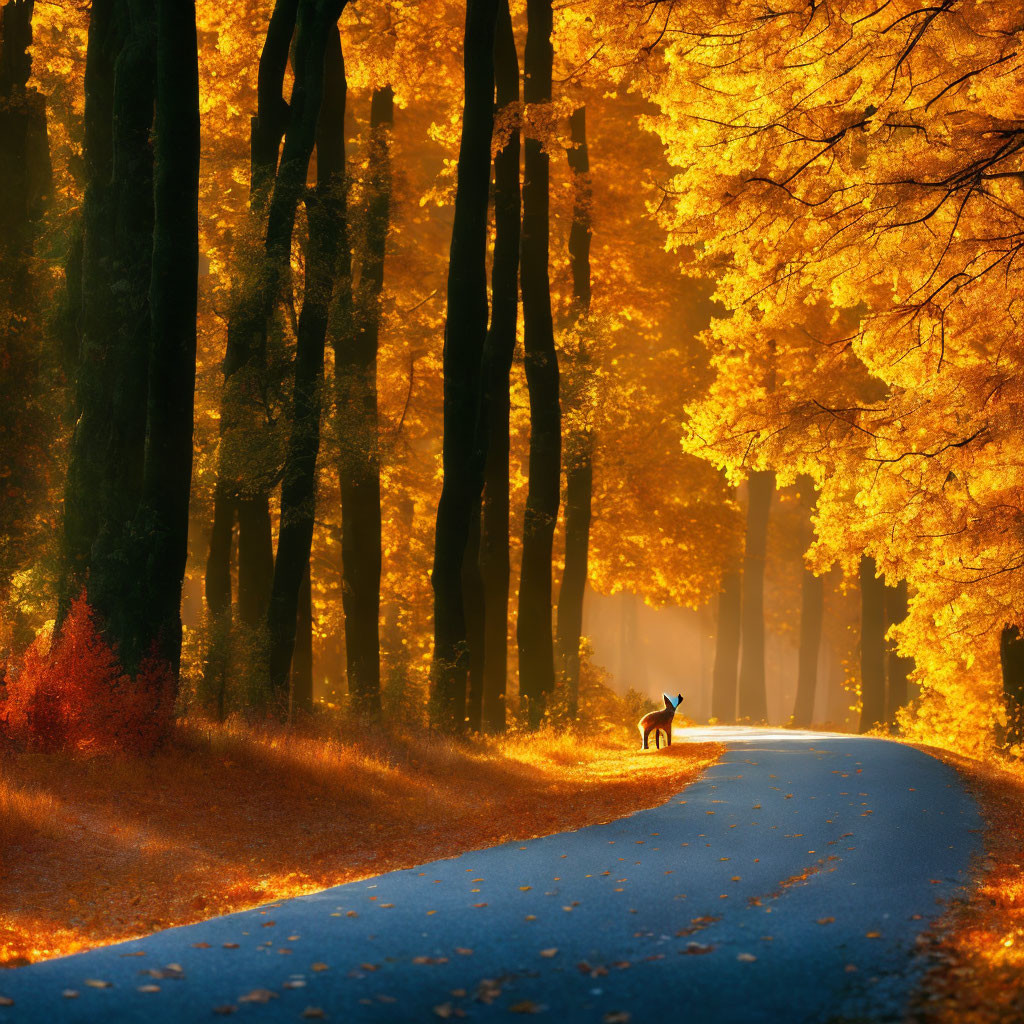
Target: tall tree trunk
243	367
579	462
1011	658
105	473
727	649
167	477
302	659
753	697
26	432
316	26
812	609
499	350
356	396
465	332
872	646
473	602
536	648
898	667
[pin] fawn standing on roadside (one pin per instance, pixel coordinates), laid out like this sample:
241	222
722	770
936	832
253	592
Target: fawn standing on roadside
660	721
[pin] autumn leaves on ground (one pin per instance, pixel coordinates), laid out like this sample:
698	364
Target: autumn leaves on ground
93	850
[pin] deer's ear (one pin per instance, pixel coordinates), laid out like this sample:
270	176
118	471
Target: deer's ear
668	702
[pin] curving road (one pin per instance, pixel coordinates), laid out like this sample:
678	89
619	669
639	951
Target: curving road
788	885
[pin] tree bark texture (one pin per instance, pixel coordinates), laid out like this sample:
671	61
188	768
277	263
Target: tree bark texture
499	350
872	646
1011	659
465	332
302	659
812	610
316	26
579	460
534	635
753	697
727	649
898	668
358	427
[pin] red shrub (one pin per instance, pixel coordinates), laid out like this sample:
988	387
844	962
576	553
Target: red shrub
74	696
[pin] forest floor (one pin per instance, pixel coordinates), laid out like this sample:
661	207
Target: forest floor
977	948
99	850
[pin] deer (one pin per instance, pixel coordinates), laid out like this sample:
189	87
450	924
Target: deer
660	722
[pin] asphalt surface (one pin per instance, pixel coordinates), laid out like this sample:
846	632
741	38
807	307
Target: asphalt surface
788	885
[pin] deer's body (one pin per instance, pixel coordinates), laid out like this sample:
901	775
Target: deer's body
660	722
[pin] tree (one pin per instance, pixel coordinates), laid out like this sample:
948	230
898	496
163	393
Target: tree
316	24
812	608
727	648
465	333
872	646
579	461
26	430
1011	656
534	635
355	346
898	667
753	698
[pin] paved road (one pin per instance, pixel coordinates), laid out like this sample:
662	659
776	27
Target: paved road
788	885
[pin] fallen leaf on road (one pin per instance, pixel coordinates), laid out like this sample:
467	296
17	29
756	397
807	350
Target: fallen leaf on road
826	920
318	966
258	995
96	983
4	1001
231	945
463	951
549	953
148	988
313	1013
616	1017
226	1010
70	993
872	935
294	983
200	945
525	1006
746	958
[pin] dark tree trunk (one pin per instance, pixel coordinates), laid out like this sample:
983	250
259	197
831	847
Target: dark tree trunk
753	697
536	649
172	296
302	659
25	182
105	473
473	602
356	396
727	649
499	350
872	646
1011	658
898	667
325	208
812	610
244	367
579	462
465	332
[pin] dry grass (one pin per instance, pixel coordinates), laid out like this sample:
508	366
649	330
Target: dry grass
94	851
977	949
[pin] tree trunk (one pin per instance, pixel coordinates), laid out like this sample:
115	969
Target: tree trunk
244	365
499	350
727	650
465	331
473	602
872	646
1011	658
302	659
898	667
105	472
325	208
26	429
579	464
753	698
812	610
536	649
172	298
356	396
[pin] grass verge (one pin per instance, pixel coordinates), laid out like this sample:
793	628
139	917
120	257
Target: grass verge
977	948
99	850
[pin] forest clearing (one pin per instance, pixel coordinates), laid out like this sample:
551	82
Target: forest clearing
400	400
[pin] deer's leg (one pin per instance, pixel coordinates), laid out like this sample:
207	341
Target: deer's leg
657	739
646	734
